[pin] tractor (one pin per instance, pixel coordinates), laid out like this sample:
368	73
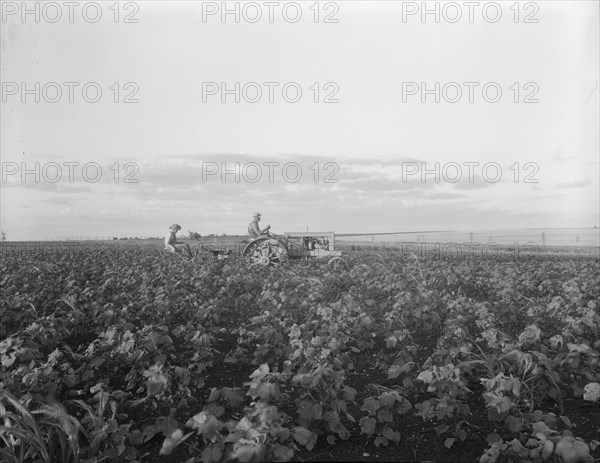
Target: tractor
272	249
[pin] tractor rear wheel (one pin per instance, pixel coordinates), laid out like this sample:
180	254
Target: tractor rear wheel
265	251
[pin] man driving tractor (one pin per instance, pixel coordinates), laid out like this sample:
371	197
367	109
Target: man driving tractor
254	231
253	228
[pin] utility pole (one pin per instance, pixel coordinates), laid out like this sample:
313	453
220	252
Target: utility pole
544	240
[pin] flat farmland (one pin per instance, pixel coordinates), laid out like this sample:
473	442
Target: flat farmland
121	352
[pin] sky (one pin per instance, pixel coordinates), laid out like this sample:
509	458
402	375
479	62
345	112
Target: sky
348	116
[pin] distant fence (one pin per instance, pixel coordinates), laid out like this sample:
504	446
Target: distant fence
588	237
585	242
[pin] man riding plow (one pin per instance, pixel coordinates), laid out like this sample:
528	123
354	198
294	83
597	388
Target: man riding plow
186	250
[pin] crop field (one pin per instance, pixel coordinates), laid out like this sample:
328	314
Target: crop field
124	354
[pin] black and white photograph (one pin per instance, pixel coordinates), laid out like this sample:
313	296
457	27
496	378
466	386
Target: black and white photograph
312	230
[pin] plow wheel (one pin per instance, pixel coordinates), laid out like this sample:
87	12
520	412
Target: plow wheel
265	251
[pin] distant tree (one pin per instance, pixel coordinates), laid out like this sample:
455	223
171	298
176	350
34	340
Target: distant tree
3	236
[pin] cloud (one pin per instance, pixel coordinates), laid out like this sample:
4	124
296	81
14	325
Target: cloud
53	187
225	177
210	179
179	182
230	158
382	184
57	200
213	168
444	196
368	197
474	183
384	161
33	185
574	183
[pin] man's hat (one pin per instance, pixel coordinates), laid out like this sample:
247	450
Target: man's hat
256	214
175	226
